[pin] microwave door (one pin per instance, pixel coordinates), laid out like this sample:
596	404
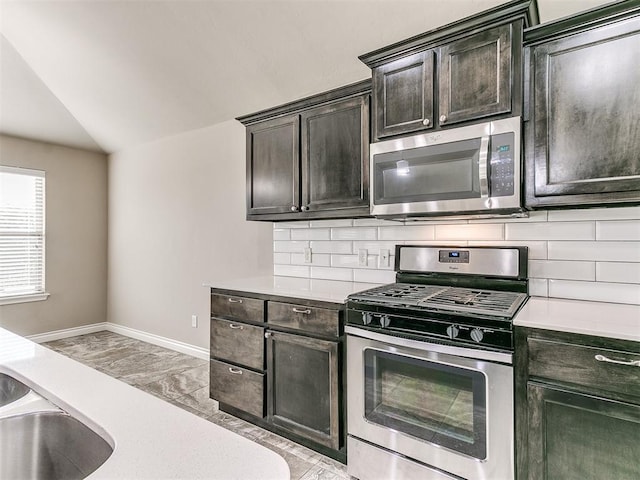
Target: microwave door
428	178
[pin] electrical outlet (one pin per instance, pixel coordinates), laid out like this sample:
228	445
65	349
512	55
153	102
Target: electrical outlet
307	255
362	257
194	321
384	257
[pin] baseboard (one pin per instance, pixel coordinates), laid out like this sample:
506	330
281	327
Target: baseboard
181	347
68	332
165	342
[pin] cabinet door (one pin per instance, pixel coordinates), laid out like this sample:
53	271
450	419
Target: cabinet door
475	76
403	95
584	130
581	437
273	166
335	155
302	387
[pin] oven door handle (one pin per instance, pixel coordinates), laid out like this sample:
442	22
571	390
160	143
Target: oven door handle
483	167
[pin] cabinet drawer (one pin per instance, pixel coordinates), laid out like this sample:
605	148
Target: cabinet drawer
323	321
237	387
585	365
237	307
238	342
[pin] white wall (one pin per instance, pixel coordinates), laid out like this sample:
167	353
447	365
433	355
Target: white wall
177	220
76	237
591	254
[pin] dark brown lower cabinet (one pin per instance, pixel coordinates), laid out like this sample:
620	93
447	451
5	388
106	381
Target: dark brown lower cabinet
575	436
302	386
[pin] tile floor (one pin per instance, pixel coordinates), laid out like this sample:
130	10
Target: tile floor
184	381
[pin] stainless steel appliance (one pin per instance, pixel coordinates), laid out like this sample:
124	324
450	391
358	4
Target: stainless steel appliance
429	366
474	169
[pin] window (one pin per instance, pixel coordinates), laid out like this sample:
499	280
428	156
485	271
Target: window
22	236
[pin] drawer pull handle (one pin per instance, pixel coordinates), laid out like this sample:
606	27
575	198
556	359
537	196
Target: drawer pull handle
235	300
306	311
631	363
235	371
235	327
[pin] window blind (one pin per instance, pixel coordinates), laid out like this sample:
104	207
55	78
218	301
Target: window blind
22	231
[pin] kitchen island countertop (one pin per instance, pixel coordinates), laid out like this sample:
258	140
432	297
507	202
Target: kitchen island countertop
152	439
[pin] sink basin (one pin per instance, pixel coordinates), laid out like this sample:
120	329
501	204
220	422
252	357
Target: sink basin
49	446
11	390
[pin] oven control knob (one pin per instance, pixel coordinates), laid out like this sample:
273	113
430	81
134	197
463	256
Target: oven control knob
477	335
366	318
384	321
452	331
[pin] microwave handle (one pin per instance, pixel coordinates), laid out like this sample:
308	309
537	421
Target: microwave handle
483	167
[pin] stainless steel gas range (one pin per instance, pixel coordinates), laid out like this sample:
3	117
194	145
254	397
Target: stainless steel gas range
429	366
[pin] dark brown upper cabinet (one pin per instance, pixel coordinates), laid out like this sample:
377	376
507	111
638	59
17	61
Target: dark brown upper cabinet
462	72
475	76
582	136
404	95
310	158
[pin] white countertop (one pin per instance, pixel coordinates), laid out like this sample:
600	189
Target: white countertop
612	320
304	288
152	438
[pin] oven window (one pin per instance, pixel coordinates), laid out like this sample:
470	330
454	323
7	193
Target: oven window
437	403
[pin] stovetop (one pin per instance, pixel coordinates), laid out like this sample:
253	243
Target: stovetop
434	298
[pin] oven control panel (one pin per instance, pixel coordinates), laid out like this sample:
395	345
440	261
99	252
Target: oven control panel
461	331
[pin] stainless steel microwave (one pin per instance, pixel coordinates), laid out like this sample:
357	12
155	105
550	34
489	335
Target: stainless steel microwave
467	170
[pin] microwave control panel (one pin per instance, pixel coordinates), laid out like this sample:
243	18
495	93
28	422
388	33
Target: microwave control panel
502	165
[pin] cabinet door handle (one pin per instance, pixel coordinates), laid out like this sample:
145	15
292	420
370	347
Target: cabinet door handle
443	118
306	311
631	363
426	122
304	208
235	300
268	334
294	208
235	371
235	327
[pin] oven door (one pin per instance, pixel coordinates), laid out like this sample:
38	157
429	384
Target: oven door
447	407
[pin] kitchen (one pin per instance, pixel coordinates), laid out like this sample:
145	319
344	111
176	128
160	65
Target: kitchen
155	273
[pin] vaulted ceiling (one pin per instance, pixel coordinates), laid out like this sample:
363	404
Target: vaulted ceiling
107	74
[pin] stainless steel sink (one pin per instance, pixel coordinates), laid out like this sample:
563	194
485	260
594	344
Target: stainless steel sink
49	445
11	390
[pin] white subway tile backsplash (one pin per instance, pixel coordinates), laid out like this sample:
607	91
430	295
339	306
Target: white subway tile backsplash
407	232
595	291
374	276
291	271
281	234
374	247
487	231
320	259
618	230
539	287
537	248
565	270
298	224
290	247
319	246
331	223
282	258
550	231
360	233
328	273
618	272
591	254
311	234
622	213
595	251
